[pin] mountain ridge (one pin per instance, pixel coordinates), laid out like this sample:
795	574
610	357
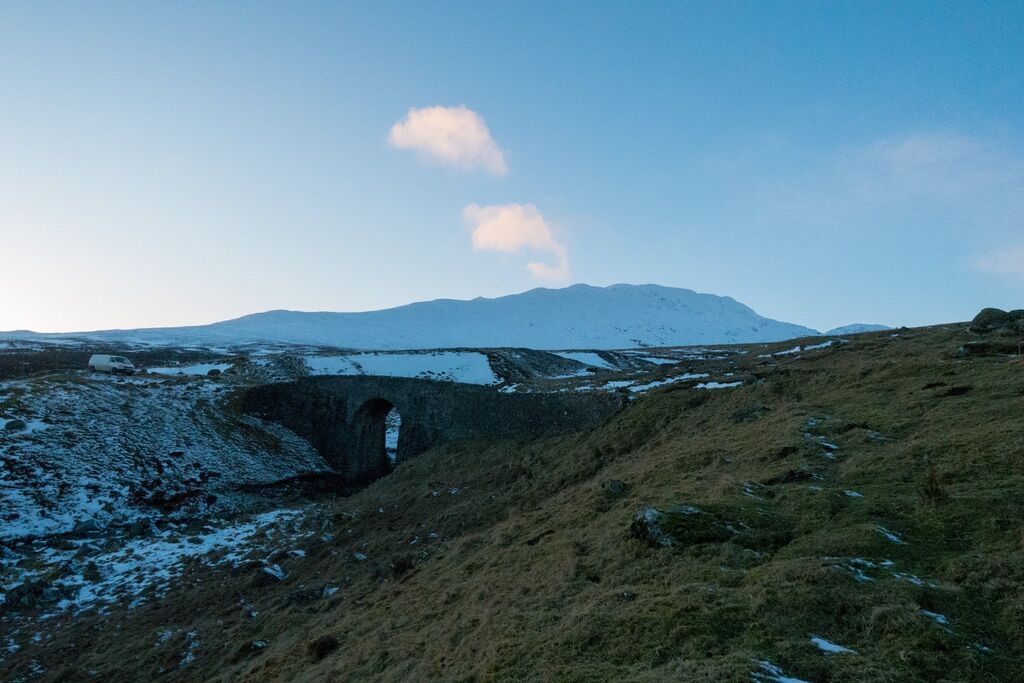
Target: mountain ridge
579	316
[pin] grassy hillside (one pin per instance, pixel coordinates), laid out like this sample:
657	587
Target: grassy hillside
870	495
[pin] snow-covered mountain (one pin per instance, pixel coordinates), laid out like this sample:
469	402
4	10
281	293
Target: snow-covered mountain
856	328
580	316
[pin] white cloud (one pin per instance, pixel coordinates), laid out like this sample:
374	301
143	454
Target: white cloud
1005	262
454	136
510	228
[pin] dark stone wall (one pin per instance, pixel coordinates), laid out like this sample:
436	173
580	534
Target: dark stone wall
325	411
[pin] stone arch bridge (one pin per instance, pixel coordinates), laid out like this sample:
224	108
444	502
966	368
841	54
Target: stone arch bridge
343	417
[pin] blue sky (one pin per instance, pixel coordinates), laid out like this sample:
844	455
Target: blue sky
825	163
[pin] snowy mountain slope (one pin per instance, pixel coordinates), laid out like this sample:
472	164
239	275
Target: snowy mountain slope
856	328
577	317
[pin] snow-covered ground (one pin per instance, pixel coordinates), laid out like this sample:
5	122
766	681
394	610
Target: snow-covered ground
718	385
103	450
471	367
96	572
190	370
588	358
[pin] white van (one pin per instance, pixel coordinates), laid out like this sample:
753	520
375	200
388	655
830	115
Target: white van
112	364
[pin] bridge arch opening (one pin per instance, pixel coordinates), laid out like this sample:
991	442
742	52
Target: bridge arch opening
392	426
376	426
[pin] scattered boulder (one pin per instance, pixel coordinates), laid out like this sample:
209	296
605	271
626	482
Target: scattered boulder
214	372
15	426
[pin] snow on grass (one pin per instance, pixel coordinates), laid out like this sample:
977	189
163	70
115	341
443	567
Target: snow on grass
718	385
770	673
153	563
853	494
829	647
471	367
830	447
939	619
588	358
618	384
807	347
108	437
890	535
858	568
659	360
864	570
200	369
668	380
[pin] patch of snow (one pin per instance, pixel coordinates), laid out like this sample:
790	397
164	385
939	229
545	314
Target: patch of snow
198	370
853	494
890	535
275	571
588	358
806	347
668	380
471	367
770	673
829	647
718	385
856	328
658	360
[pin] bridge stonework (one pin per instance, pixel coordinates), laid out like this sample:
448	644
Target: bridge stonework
343	417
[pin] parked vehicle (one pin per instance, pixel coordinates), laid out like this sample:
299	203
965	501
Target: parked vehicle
116	365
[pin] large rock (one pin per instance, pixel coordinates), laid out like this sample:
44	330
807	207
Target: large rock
15	426
685	525
991	320
679	525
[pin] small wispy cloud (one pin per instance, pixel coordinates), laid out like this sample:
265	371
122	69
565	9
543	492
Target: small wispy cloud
511	228
932	164
1003	262
453	136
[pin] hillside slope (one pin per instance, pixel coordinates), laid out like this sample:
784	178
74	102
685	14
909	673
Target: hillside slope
851	513
581	316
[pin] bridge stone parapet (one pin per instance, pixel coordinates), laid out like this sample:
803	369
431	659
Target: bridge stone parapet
343	417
